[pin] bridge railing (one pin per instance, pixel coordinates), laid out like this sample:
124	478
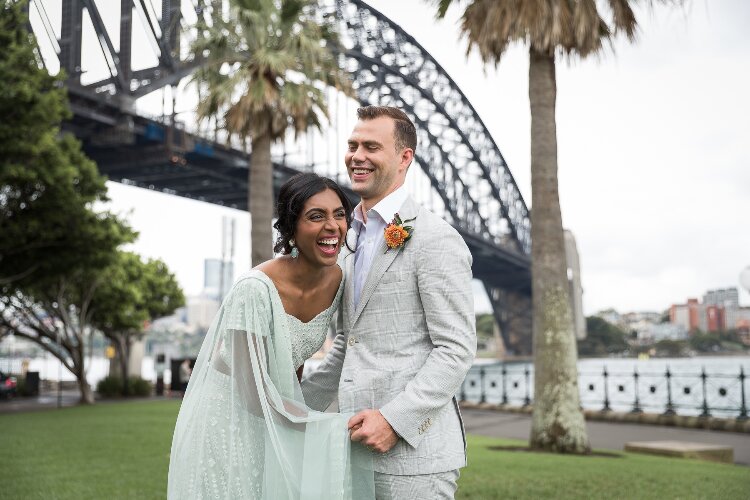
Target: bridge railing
697	393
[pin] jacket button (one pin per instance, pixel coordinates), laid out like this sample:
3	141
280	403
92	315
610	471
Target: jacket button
352	340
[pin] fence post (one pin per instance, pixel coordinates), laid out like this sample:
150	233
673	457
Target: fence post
606	391
670	407
504	372
527	399
483	396
705	412
743	407
637	403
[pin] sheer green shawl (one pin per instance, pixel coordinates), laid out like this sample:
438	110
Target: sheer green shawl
244	430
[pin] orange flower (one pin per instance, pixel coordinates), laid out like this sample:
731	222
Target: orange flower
395	235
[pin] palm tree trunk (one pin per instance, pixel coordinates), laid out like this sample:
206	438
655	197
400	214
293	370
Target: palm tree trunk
260	199
557	423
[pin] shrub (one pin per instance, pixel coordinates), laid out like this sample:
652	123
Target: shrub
139	387
109	387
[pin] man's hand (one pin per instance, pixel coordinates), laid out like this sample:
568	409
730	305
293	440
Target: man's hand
370	428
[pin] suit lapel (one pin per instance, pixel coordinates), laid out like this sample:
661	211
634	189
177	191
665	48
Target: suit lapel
381	261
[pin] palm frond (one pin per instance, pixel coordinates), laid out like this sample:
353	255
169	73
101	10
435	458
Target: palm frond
623	18
571	27
268	61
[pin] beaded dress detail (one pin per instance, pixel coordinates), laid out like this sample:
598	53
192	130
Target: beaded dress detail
308	338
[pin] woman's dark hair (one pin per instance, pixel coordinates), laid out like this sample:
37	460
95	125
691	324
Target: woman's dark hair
292	198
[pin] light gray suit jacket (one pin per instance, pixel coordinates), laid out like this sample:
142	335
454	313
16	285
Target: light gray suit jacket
407	347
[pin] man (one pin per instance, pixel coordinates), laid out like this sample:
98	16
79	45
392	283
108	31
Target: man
406	335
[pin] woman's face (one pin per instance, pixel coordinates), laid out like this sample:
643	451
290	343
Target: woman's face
321	228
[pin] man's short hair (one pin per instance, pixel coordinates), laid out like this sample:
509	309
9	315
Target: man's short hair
404	131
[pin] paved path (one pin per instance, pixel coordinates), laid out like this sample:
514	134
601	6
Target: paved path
45	401
605	435
49	401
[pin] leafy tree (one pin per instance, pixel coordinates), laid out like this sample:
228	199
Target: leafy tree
672	348
47	185
133	293
727	340
602	338
551	29
485	326
51	237
268	64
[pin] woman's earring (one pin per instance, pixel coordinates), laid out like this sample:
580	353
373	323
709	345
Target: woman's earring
295	250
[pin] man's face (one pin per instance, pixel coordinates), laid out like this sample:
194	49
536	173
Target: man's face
375	168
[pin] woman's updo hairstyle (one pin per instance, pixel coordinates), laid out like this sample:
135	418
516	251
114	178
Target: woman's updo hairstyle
292	198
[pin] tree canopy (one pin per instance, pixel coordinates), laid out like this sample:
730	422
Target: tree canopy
47	185
61	271
602	338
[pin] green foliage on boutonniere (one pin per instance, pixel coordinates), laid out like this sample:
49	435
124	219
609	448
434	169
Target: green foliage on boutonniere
397	233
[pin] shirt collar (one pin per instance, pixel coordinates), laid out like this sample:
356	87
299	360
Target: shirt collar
385	208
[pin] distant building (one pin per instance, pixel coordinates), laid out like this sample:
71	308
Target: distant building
201	311
649	316
715	319
213	284
743	330
575	290
691	316
648	332
725	297
737	317
613	317
719	311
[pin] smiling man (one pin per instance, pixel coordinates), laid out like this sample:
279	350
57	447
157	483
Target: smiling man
405	333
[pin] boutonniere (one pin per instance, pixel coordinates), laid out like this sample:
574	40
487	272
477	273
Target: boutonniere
396	233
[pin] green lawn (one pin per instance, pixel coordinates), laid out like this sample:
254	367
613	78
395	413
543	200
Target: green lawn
121	450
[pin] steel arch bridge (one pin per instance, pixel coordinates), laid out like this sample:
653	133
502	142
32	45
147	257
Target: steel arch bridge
465	168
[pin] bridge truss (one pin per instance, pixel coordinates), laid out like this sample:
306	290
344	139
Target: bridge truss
456	152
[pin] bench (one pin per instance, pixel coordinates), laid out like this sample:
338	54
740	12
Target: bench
683	449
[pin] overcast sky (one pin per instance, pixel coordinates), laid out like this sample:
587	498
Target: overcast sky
654	155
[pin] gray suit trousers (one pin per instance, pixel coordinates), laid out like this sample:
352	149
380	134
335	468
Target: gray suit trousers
439	486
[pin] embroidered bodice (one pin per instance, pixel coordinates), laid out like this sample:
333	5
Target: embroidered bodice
308	338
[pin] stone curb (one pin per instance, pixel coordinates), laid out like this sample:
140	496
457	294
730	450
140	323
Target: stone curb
688	422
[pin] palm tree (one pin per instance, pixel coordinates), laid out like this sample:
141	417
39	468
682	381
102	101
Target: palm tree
268	65
551	28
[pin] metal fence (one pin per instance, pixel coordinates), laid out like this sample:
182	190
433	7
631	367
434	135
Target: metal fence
670	393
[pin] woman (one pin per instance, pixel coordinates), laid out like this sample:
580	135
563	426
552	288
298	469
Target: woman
244	430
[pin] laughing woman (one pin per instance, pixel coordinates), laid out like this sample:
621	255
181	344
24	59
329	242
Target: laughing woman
244	430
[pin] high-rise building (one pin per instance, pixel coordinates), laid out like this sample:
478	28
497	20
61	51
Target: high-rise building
213	284
725	297
575	289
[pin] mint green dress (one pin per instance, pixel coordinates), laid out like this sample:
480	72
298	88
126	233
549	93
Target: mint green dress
244	430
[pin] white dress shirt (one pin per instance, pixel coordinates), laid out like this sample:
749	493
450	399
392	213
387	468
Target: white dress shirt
371	234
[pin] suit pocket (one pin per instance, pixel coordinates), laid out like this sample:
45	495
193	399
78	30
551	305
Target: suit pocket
394	276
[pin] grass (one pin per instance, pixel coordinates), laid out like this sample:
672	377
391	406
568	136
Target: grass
121	450
110	450
506	474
